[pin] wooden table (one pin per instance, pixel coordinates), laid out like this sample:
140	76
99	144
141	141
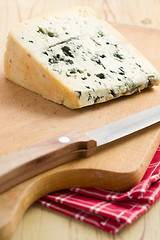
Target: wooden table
39	223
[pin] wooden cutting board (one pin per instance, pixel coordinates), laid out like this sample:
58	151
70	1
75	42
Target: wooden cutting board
26	119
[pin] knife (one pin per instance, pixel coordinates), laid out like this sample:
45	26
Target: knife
21	165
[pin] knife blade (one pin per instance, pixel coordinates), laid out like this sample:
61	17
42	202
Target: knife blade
125	126
21	165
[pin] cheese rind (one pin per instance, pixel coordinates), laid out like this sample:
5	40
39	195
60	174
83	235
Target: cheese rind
76	59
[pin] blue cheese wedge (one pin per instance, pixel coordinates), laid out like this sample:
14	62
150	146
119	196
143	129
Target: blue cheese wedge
75	58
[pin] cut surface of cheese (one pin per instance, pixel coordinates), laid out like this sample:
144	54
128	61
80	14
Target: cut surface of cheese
75	58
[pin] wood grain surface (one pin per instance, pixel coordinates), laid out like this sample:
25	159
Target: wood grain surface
39	223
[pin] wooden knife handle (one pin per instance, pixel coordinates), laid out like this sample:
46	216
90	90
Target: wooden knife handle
31	161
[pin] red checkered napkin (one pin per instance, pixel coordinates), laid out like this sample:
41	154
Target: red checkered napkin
109	210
